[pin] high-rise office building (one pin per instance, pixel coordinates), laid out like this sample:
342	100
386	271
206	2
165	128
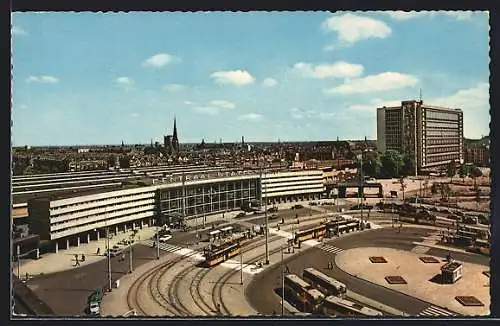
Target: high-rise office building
432	135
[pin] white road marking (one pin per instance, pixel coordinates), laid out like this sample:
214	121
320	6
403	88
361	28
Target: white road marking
435	311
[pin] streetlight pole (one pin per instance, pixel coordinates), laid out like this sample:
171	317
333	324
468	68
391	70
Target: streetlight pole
157	240
241	267
361	181
109	260
282	283
267	227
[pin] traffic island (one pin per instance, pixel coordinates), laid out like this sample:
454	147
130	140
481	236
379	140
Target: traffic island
429	260
378	260
395	280
469	301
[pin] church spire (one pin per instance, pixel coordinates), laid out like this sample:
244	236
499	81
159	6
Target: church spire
175	139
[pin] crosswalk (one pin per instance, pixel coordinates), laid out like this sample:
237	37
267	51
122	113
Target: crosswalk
163	246
331	249
435	311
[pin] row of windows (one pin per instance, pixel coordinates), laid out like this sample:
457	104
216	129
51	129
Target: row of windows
101	210
97	217
441	141
442	158
434	150
434	124
70	230
442	133
431	114
100	200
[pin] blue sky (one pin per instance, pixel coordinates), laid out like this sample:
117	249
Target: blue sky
92	78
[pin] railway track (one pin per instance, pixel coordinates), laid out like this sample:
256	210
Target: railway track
146	280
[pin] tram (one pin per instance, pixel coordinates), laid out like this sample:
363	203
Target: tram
303	292
218	254
324	283
312	233
335	306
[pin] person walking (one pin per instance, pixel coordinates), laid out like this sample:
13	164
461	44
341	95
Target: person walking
83	257
98	251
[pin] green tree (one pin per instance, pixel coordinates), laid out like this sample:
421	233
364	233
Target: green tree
402	186
391	164
124	162
475	173
451	170
408	165
462	172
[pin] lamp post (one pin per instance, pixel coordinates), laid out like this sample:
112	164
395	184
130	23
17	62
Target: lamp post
241	267
282	283
157	240
266	220
130	253
109	260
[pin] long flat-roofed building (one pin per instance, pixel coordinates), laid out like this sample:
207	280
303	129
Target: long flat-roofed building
293	185
86	217
432	135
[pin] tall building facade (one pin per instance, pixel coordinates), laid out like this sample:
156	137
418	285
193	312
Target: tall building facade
432	135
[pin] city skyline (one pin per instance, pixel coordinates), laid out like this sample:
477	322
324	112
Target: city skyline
89	78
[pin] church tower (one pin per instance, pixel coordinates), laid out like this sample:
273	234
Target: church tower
175	139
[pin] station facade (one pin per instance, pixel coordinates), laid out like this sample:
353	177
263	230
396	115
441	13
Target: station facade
70	221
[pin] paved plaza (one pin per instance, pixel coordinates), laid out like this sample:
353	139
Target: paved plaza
418	275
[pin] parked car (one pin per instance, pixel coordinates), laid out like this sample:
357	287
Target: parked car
297	206
242	214
273	216
94	308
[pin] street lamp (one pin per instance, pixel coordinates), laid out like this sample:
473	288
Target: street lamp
282	283
266	219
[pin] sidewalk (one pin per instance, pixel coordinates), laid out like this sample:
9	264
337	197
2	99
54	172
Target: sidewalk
65	260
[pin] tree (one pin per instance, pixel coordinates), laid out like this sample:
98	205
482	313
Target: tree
402	186
476	173
391	164
462	172
451	170
408	165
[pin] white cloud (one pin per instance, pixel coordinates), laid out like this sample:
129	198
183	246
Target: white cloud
223	104
476	98
375	83
373	105
173	88
352	28
406	15
18	31
339	69
270	82
301	114
124	82
235	77
212	108
42	79
160	60
254	117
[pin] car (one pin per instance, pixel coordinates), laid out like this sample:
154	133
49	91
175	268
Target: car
165	238
273	216
297	206
312	204
242	214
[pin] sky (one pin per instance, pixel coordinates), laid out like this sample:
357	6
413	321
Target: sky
104	78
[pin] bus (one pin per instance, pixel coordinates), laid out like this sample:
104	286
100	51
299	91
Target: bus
335	306
217	255
303	292
324	283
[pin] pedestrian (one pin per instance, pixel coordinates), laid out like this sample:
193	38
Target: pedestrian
123	257
77	262
98	251
83	257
